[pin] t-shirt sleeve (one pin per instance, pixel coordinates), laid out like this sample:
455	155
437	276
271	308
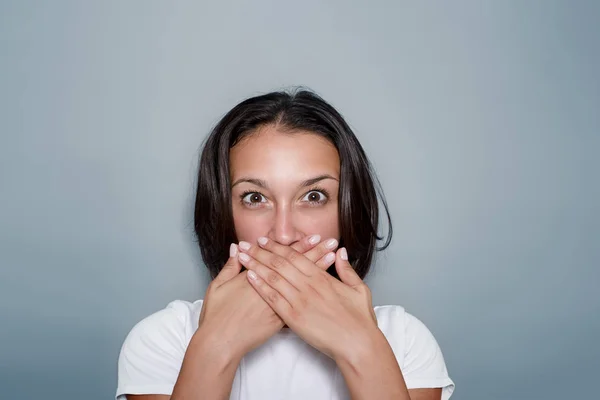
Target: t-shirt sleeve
152	353
417	352
423	365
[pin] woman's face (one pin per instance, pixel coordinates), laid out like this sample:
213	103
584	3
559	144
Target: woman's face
284	186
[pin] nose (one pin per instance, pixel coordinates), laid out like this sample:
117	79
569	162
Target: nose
284	230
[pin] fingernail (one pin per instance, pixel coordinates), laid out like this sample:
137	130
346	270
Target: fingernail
331	243
330	258
314	239
262	240
344	254
252	275
244	257
245	246
232	250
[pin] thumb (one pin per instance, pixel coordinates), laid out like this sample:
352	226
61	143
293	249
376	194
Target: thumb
345	270
231	268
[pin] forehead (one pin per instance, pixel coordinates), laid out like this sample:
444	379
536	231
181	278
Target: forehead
271	152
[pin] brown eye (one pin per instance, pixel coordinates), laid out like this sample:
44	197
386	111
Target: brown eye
253	199
315	197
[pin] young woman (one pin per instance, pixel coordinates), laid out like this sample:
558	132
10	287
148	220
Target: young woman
287	221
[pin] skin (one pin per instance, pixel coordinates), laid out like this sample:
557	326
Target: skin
284	191
284	163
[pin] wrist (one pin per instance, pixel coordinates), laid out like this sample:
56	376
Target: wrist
216	348
371	371
362	348
208	367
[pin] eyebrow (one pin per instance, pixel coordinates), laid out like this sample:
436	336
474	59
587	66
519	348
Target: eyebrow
263	184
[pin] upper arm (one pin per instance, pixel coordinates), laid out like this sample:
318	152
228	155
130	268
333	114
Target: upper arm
417	352
151	357
424	367
423	394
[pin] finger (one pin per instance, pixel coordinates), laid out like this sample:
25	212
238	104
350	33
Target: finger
271	278
306	244
326	261
286	279
320	252
272	297
345	270
280	257
231	268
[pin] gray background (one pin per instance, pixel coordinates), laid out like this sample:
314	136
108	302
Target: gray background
482	120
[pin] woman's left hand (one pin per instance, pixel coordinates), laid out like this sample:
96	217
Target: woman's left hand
334	317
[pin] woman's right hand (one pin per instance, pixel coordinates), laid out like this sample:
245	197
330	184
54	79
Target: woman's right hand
234	318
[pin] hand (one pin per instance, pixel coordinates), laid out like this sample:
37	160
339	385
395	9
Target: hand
330	315
234	318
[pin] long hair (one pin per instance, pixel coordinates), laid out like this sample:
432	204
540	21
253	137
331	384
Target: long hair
303	110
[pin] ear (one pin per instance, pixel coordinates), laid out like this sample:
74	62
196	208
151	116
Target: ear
345	270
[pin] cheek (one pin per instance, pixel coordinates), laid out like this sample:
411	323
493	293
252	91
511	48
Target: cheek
249	227
322	222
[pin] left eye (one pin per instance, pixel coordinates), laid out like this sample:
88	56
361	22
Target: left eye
314	197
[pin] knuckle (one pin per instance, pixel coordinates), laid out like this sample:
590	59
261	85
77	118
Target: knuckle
273	278
272	318
317	253
278	262
273	297
300	247
315	293
323	248
296	316
253	251
364	290
322	277
302	302
313	256
293	256
212	285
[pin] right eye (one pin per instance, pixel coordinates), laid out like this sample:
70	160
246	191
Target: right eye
253	199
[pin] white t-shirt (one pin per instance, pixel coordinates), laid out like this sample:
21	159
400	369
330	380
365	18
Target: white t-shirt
284	367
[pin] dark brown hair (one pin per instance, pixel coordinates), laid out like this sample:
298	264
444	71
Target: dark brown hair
295	111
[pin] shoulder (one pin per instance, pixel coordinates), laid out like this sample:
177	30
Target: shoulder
178	313
416	349
153	351
176	322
